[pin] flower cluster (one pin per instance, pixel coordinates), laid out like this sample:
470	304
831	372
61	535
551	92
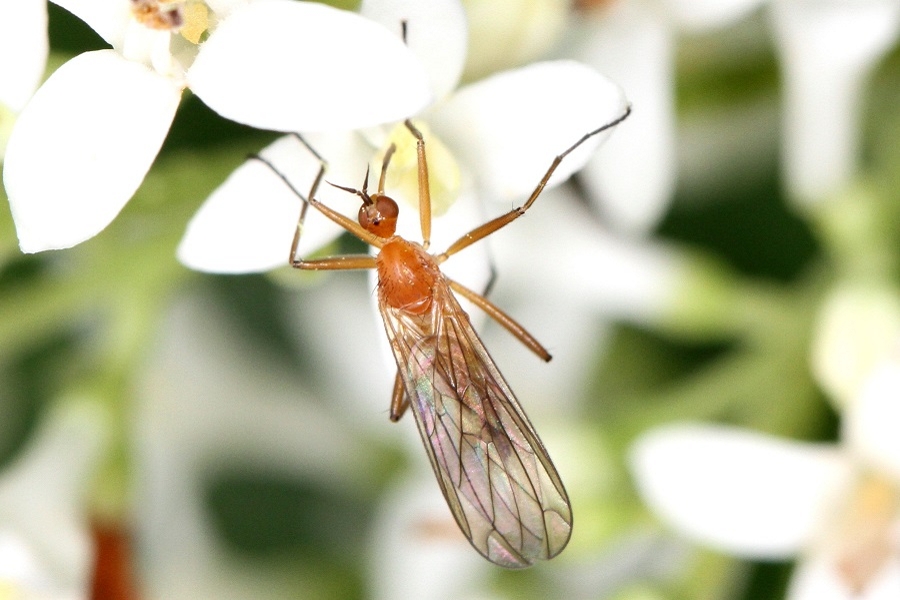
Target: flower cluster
84	142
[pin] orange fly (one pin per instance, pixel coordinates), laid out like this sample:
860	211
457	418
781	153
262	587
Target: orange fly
496	476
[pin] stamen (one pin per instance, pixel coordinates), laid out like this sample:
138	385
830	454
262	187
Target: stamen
153	14
866	542
196	21
588	5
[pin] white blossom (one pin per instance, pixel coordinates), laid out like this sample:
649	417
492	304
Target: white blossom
632	179
835	507
82	145
826	48
502	133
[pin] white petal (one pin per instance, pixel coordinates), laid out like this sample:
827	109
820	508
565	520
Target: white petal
109	18
82	146
827	50
247	224
632	177
871	422
738	491
819	579
699	15
302	66
886	584
23	46
223	8
20	567
151	47
436	32
579	261
42	525
857	327
505	34
573	333
508	128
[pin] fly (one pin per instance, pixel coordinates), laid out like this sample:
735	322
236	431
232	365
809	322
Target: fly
492	467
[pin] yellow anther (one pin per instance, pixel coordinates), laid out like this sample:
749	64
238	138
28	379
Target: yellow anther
196	21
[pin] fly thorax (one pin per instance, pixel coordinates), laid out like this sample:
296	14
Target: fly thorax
406	276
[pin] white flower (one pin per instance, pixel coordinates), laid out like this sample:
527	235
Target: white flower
83	144
503	133
826	48
872	420
45	544
247	224
835	507
633	41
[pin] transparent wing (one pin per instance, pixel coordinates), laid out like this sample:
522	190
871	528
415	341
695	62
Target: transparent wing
494	472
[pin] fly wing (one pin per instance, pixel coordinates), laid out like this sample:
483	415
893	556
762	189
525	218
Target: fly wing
493	469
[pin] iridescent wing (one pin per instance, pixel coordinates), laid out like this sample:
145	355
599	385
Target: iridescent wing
493	469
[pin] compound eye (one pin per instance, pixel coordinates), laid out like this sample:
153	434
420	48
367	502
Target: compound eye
379	217
387	208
